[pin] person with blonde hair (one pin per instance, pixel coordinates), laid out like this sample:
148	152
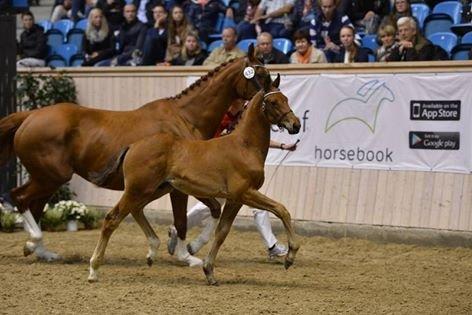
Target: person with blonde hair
386	35
191	53
98	42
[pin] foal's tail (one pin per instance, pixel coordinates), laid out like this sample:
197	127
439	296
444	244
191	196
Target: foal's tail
8	127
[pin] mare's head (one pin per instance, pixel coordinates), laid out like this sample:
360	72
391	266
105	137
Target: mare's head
274	105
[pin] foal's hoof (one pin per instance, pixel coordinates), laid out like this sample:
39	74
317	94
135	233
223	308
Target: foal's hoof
149	261
27	251
190	249
92	279
288	263
213	282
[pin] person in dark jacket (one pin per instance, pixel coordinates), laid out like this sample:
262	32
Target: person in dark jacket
350	52
191	54
412	46
32	49
130	39
325	28
267	53
113	12
155	43
98	42
204	14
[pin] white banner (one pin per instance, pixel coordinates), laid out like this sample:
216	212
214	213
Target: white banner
386	121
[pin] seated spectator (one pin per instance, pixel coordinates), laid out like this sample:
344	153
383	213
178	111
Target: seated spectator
412	46
305	52
155	44
246	29
325	28
144	10
267	53
273	17
237	9
386	34
191	54
98	42
63	10
178	28
32	49
130	40
228	51
303	13
400	9
203	14
367	14
350	52
113	11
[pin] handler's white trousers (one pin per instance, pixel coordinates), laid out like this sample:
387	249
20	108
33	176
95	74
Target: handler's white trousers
200	212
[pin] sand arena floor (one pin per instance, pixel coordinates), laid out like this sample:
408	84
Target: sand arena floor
329	276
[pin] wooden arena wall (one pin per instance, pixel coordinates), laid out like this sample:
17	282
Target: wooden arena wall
354	196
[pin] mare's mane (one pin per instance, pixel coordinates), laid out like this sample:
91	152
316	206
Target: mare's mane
205	77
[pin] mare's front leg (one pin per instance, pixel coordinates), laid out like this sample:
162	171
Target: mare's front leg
204	237
254	198
229	213
179	210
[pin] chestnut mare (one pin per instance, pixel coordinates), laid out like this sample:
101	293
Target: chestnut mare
55	142
230	167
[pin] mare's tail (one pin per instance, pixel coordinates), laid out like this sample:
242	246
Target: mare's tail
8	127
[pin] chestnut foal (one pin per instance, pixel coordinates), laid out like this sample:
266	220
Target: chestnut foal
230	167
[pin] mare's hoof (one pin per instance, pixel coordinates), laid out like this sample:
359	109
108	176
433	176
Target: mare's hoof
213	282
190	249
92	279
27	251
149	261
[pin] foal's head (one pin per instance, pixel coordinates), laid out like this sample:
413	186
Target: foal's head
275	107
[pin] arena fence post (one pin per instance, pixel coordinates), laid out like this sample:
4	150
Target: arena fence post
8	173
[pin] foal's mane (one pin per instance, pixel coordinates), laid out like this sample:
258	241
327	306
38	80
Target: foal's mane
205	77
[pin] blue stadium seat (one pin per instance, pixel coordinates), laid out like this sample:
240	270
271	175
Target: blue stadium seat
450	8
435	24
56	61
63	26
215	44
283	44
203	45
66	51
446	40
420	11
467	38
76	37
45	24
370	42
76	60
372	58
54	39
81	24
461	52
244	44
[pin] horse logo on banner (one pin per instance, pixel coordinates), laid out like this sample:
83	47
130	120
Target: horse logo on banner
364	108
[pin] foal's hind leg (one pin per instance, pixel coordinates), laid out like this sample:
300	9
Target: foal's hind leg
255	199
229	213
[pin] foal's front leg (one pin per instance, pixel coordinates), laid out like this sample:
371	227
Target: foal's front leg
229	213
254	198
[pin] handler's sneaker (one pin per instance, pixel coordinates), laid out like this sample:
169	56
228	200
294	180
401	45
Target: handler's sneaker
278	250
172	242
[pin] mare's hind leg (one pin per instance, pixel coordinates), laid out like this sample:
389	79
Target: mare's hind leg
255	199
229	213
32	196
179	210
204	237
